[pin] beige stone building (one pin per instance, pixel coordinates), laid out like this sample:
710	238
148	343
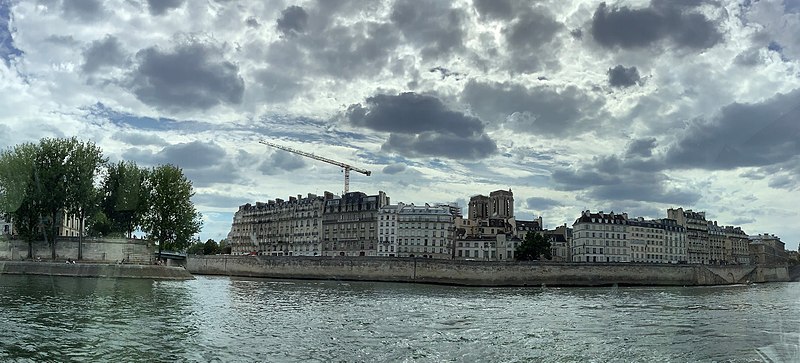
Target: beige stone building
697	240
425	231
657	241
736	249
600	237
767	249
716	243
350	224
279	227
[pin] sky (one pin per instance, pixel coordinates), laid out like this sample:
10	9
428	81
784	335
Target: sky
624	106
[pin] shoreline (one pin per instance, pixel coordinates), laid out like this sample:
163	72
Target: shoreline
482	273
94	269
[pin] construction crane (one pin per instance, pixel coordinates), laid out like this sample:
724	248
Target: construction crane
342	165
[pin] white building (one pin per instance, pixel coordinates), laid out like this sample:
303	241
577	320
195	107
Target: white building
656	241
422	231
600	237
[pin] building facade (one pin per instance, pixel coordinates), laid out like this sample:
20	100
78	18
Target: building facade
600	237
657	241
697	240
279	227
736	249
350	224
406	230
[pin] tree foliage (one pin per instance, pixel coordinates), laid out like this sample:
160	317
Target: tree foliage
18	198
534	247
124	197
42	183
171	219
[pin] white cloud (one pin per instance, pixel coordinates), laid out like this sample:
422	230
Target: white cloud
79	74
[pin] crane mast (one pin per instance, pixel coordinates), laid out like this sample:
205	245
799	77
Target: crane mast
345	167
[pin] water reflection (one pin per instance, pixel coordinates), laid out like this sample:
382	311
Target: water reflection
223	319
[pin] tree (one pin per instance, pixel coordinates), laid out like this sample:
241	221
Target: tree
18	199
172	219
50	173
210	247
196	248
124	199
533	247
83	165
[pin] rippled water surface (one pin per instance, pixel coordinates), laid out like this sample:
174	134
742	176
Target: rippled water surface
224	319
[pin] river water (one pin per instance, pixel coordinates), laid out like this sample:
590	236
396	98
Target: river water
229	319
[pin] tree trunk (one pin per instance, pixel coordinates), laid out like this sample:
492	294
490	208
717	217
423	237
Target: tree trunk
30	250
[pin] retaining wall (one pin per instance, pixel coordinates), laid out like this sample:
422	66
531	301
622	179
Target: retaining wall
105	249
94	270
481	273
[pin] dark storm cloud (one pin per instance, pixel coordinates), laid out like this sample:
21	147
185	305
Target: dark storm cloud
529	38
608	179
83	10
281	161
620	76
293	20
411	113
193	155
540	203
757	134
641	147
161	7
435	27
421	125
358	50
663	20
192	76
499	9
394	168
106	52
443	145
204	163
541	110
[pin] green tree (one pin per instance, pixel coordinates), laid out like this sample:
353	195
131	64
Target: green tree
18	193
196	248
124	200
172	219
83	166
50	173
210	247
224	247
534	247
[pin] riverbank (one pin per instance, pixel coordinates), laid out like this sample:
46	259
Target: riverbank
102	270
482	273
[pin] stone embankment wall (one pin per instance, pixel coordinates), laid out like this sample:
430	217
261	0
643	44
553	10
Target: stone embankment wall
479	273
94	270
105	249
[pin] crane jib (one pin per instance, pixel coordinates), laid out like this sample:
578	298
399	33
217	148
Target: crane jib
340	164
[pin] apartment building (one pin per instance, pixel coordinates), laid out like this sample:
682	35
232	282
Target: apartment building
279	227
697	240
736	249
350	224
425	231
656	241
600	237
716	243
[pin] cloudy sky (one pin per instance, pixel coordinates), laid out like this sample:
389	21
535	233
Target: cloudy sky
630	106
